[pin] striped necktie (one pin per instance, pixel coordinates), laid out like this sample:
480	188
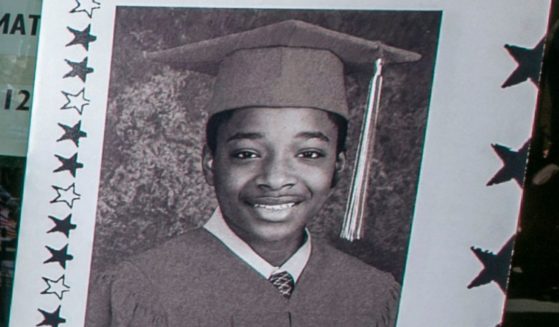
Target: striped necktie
284	282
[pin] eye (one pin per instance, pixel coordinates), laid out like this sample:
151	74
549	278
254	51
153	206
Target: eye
245	154
310	154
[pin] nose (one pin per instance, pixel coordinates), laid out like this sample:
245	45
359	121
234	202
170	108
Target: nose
276	173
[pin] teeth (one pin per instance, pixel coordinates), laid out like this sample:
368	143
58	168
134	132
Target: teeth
282	206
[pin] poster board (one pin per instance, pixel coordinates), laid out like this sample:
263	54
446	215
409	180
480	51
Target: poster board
108	161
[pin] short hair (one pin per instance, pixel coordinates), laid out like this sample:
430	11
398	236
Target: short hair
220	118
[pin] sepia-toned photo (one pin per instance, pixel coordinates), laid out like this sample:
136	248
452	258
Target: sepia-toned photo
234	142
229	155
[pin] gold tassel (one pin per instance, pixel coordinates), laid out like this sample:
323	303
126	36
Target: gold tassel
352	228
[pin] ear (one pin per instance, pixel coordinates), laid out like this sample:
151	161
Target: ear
340	166
207	165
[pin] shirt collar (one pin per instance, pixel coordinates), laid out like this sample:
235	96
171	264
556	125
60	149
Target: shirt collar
217	226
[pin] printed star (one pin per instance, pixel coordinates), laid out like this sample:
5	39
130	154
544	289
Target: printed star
529	64
86	6
495	266
73	133
514	163
56	287
51	318
63	226
60	256
66	195
70	164
76	101
82	37
79	69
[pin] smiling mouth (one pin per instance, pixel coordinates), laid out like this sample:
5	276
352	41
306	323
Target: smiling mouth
274	207
274	203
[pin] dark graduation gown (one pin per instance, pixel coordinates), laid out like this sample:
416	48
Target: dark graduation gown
194	280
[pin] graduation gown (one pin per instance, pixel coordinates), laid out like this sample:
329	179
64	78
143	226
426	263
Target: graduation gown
194	280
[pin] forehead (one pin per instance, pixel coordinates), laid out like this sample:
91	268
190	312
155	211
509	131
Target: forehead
278	120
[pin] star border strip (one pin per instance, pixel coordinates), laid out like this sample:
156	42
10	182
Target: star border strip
496	267
66	196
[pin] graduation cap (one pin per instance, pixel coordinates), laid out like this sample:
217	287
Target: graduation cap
297	65
287	64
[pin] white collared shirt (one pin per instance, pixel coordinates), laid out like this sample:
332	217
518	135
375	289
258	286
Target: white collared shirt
217	226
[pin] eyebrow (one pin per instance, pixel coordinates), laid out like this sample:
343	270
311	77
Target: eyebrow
254	136
314	135
241	136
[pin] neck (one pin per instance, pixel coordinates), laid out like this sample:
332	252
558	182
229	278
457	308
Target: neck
275	252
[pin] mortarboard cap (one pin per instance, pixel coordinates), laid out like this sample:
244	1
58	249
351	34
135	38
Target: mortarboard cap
287	64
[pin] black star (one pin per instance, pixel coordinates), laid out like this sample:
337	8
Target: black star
60	256
73	133
66	195
70	164
495	267
51	319
514	163
79	69
82	37
63	226
529	64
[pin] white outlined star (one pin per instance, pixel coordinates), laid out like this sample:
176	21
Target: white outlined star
76	101
56	287
66	195
86	6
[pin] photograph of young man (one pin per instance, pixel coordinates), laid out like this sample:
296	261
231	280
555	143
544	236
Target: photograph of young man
275	146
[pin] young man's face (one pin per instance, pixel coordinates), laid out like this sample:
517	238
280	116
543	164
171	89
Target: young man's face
273	170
